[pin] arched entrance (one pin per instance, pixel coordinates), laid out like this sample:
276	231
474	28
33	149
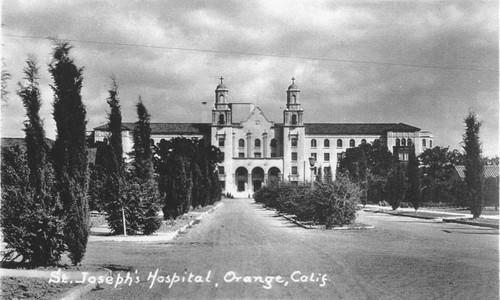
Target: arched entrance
274	175
241	179
257	178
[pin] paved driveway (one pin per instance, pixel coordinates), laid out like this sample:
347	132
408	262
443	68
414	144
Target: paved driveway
245	251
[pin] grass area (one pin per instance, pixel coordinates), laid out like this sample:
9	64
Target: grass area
420	214
32	288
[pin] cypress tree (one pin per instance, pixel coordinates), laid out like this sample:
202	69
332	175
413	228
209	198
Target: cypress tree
413	174
115	122
142	152
70	154
473	164
395	187
33	127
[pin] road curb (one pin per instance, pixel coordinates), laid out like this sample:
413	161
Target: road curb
494	226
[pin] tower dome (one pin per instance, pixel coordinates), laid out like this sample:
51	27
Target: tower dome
293	86
221	86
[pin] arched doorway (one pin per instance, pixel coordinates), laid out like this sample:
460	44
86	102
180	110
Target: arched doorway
257	178
241	179
274	175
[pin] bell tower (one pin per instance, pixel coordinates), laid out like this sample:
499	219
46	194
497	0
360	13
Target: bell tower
294	156
221	114
292	115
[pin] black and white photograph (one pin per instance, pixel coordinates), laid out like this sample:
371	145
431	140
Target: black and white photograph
278	149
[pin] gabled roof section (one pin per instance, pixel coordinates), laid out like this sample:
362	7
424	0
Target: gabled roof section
488	171
168	128
357	128
255	112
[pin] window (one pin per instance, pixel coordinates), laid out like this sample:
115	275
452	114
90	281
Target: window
294	156
273	143
430	143
327	157
424	142
398	142
294	99
221	156
221	170
314	155
339	143
257	154
294	119
326	143
409	142
339	157
257	143
352	143
241	154
221	119
222	185
314	144
274	154
241	143
363	142
221	142
294	171
403	142
294	142
221	99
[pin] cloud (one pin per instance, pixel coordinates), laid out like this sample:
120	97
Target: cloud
353	84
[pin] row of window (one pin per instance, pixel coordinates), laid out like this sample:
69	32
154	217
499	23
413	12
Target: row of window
424	143
403	142
314	143
340	143
241	143
326	156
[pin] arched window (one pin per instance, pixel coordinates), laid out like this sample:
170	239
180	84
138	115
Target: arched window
326	143
339	143
314	144
363	142
294	99
221	99
294	119
424	142
403	142
430	143
257	143
352	143
241	143
221	119
398	142
409	142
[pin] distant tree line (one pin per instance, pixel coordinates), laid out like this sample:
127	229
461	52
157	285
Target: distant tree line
426	179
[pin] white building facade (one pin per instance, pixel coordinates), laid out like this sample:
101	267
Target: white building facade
257	150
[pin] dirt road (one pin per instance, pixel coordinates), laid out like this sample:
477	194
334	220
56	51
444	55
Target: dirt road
245	251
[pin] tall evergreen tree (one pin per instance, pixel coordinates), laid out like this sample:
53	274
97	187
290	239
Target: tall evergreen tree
70	154
413	174
473	164
115	122
395	187
36	149
142	152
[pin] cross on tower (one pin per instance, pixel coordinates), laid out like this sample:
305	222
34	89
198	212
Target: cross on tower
293	80
221	78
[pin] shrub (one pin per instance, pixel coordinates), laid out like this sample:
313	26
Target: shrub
31	222
329	204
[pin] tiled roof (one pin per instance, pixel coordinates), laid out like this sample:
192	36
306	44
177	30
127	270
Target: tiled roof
357	128
169	128
489	171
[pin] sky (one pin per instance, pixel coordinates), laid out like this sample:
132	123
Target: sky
423	63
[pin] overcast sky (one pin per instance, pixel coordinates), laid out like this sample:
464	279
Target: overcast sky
423	63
